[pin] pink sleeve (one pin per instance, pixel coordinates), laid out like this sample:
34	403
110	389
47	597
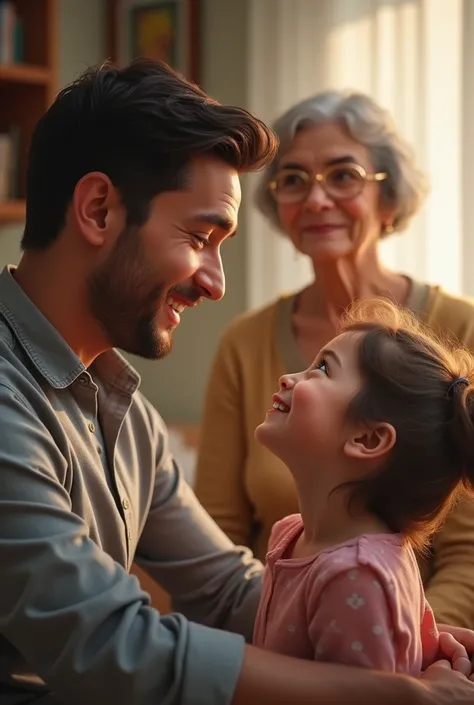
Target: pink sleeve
352	622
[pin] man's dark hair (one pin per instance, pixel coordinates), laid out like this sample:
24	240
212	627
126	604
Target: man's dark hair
140	125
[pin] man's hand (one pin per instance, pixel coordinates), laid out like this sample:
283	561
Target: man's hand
455	653
463	636
446	686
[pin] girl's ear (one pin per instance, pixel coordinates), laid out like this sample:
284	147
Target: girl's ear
371	444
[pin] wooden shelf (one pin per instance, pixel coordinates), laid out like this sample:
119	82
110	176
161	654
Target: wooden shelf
27	89
12	211
25	73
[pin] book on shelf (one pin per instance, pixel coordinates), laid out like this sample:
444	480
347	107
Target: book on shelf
9	167
11	34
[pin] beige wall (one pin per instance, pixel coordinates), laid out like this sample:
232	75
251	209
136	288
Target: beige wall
175	385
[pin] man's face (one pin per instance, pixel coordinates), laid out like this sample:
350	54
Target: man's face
152	272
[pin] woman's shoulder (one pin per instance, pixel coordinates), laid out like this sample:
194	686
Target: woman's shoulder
442	300
451	315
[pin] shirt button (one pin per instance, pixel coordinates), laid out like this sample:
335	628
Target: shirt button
84	381
91	427
125	504
99	450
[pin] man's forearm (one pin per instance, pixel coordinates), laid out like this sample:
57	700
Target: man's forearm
271	678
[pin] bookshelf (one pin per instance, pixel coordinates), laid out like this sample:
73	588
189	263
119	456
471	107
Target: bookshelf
28	85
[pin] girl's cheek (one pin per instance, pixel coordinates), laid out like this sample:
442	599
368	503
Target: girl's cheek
307	396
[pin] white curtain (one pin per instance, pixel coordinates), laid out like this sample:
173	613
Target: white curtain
467	150
408	55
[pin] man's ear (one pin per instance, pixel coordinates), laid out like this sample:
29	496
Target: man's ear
94	203
371	443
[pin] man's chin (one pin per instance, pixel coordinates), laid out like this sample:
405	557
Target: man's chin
163	343
150	346
163	351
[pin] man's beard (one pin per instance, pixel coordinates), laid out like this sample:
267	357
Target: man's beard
125	302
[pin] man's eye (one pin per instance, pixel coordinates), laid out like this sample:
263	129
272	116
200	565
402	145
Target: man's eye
200	241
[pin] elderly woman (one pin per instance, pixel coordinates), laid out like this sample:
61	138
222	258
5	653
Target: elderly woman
343	179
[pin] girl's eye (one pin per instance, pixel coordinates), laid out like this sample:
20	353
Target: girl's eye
322	365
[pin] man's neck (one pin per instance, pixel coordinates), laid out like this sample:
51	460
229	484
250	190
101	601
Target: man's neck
58	290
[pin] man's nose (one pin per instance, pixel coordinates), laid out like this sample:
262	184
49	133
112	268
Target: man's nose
210	279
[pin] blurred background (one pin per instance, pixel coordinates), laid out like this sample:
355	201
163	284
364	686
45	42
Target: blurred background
415	57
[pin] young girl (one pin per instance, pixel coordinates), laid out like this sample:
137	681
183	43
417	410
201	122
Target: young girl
379	436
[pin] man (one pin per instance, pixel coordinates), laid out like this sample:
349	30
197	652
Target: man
132	188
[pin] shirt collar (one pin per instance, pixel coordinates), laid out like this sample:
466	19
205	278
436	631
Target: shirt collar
47	350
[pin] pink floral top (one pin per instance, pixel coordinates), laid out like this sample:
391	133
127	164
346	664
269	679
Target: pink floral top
359	603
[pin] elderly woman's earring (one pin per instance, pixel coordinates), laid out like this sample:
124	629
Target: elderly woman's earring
387	229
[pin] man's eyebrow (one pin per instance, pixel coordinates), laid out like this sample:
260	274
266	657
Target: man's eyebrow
224	223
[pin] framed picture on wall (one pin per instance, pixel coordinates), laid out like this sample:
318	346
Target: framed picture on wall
157	29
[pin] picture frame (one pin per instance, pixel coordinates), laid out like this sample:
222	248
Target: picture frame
156	29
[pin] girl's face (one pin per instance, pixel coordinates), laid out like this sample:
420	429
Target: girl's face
308	419
322	227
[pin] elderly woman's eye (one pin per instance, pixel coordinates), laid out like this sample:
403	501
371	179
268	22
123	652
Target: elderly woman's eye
344	175
291	180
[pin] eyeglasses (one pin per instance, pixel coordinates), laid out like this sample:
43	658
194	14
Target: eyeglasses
341	181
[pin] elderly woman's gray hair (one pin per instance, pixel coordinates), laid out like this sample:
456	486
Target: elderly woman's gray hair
406	186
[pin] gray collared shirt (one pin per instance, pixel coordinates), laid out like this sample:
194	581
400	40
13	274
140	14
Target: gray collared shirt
87	485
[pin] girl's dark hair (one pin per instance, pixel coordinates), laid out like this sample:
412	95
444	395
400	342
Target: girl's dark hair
410	382
141	125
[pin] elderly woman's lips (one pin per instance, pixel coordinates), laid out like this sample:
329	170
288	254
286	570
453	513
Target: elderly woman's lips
322	229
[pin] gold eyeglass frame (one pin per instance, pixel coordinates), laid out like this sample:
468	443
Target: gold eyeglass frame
321	178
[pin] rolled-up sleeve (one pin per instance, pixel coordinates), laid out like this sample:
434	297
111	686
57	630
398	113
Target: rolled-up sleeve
73	615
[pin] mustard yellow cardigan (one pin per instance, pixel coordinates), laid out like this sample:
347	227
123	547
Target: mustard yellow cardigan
246	489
